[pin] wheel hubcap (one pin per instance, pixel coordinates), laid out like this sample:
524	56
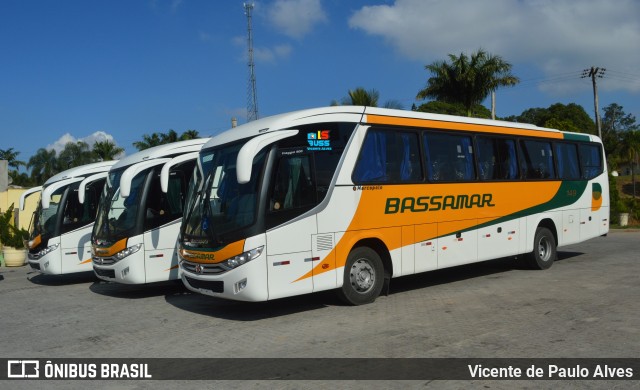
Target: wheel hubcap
544	249
362	276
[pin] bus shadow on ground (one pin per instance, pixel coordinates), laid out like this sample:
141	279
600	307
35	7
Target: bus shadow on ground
60	280
137	291
489	268
251	311
255	311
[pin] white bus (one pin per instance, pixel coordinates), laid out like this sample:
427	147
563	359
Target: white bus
347	198
134	238
60	231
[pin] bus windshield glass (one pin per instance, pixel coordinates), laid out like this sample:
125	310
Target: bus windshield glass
117	215
45	219
217	204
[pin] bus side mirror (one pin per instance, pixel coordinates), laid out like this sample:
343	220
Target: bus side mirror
244	162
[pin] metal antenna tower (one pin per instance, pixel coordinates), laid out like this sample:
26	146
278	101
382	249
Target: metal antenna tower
252	92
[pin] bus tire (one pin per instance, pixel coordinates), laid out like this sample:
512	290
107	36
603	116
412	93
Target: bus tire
544	249
363	277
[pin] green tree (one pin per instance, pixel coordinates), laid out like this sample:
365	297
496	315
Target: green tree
75	154
615	122
12	158
106	150
43	165
467	80
572	115
439	107
363	97
630	149
189	134
17	178
155	139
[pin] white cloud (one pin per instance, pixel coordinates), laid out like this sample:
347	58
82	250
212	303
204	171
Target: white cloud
271	54
557	36
98	136
296	18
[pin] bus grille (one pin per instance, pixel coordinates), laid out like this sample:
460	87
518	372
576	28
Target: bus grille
107	273
35	266
205	269
103	260
216	286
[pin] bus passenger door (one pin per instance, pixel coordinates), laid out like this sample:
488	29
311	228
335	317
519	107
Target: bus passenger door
289	236
289	258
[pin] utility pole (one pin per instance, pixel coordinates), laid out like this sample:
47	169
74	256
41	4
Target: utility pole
595	73
252	93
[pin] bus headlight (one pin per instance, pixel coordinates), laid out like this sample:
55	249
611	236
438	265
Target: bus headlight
47	250
243	258
128	251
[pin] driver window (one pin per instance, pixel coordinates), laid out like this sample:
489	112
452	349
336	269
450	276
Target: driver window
293	186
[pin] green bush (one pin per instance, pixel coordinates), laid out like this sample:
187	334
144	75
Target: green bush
9	234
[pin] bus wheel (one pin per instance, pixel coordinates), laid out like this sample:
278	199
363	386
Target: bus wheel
544	249
363	277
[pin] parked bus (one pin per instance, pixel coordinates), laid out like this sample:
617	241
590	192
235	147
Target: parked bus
347	198
60	230
134	238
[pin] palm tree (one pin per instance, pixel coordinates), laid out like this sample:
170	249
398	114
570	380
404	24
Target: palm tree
106	150
362	97
148	141
43	165
12	158
467	80
75	154
189	134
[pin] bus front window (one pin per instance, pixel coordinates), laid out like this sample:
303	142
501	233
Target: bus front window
218	204
45	220
117	215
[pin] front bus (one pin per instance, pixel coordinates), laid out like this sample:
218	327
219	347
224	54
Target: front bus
349	197
251	217
134	238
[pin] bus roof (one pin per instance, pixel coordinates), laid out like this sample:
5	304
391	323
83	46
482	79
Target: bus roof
81	171
362	114
166	150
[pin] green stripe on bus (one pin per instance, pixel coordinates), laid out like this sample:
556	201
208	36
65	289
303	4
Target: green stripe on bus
576	137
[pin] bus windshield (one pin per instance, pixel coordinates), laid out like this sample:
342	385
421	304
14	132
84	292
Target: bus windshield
44	221
117	215
217	204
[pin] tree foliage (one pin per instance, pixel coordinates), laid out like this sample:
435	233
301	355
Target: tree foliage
569	117
467	80
106	150
438	107
363	97
155	139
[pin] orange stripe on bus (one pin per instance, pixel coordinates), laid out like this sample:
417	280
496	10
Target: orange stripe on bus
429	123
224	253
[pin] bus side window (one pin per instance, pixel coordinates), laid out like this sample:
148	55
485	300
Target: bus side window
496	159
449	157
567	159
537	162
590	160
388	156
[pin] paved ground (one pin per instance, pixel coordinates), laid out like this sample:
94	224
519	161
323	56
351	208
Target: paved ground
586	306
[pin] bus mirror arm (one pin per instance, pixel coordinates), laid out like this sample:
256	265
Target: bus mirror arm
244	162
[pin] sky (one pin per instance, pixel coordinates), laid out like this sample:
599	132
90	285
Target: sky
118	69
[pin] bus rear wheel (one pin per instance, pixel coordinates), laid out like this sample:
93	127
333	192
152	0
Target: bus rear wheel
363	277
544	249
